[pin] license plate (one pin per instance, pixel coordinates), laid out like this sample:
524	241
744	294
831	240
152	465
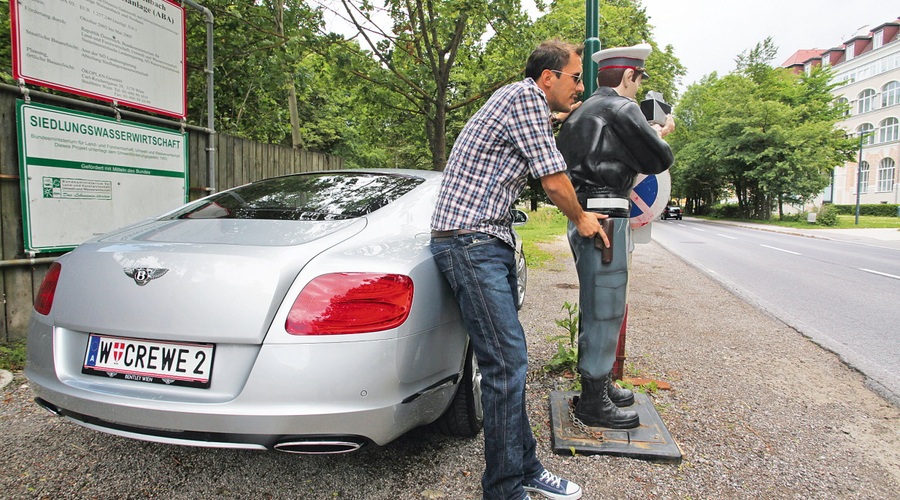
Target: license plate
170	363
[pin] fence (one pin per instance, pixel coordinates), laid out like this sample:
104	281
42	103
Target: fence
238	161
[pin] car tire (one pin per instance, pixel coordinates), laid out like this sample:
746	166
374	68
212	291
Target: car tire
521	281
465	416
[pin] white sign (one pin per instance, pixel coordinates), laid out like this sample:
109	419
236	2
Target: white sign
84	175
127	51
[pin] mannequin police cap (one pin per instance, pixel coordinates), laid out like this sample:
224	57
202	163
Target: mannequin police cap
624	57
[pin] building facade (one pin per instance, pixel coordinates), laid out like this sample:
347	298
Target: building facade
867	73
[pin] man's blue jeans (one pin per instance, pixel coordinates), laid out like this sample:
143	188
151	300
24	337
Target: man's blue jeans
481	270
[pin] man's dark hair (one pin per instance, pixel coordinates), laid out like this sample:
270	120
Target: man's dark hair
552	55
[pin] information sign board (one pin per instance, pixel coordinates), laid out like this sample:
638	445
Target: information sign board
127	51
83	175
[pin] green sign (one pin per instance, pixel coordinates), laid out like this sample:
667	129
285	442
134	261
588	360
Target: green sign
83	175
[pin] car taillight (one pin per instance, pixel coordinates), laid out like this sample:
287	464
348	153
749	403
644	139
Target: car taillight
342	303
44	300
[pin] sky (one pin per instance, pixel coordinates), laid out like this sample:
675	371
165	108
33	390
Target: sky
707	35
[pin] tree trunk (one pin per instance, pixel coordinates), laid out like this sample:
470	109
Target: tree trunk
296	140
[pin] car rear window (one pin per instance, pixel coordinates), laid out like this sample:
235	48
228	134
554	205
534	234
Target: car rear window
316	196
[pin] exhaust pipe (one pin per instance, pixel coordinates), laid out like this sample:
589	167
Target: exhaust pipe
48	406
320	446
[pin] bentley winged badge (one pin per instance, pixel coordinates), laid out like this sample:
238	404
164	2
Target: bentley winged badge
143	275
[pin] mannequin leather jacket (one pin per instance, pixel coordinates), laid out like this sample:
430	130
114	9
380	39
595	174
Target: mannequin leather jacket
606	143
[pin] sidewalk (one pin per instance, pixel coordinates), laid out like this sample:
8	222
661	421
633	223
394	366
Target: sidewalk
882	237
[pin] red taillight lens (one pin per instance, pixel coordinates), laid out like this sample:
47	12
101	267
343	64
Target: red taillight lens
342	303
44	300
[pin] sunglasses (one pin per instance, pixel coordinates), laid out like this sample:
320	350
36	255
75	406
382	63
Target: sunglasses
578	78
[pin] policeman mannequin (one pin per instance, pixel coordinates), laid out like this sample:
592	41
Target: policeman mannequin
607	142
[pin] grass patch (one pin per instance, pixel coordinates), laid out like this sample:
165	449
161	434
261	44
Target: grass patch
868	221
544	225
12	356
844	222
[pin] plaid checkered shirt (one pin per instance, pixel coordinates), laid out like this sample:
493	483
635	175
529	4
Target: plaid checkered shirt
508	138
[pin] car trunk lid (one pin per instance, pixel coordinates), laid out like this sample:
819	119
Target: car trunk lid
217	280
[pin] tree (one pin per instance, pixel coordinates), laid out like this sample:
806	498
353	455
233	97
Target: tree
420	51
767	134
622	23
260	53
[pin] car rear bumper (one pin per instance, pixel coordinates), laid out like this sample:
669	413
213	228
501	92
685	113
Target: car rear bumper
367	391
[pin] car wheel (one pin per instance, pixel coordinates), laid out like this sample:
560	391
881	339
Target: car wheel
465	416
521	281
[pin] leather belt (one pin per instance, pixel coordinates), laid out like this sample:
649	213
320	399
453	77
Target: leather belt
607	203
451	232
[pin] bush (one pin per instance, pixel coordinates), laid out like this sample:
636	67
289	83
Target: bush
877	209
725	211
827	216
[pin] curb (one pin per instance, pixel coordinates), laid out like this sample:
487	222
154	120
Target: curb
5	378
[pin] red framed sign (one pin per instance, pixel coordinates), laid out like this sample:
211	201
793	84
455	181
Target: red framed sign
131	52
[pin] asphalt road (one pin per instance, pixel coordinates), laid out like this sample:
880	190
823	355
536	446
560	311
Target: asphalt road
841	294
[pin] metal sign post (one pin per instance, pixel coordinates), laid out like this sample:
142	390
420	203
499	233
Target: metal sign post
591	45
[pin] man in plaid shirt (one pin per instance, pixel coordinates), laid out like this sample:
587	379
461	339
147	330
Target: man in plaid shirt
508	138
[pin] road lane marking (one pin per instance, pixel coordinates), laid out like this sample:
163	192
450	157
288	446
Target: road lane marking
880	273
726	236
698	229
780	249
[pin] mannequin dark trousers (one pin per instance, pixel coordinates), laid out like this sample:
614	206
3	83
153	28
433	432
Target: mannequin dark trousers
602	299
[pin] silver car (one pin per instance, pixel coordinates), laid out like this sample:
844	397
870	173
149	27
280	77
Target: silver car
301	313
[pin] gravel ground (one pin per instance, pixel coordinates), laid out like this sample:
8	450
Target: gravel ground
757	409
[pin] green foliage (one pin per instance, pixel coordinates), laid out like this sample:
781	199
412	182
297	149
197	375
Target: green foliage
5	48
827	216
621	23
763	134
12	356
725	211
395	102
566	357
878	210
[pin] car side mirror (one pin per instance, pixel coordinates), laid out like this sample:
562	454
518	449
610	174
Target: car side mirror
518	217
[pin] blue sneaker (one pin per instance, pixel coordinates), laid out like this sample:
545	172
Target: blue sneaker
552	486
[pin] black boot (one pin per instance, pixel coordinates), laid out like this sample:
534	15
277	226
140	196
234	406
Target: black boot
620	397
595	409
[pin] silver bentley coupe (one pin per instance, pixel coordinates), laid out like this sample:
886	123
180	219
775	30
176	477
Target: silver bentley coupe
301	313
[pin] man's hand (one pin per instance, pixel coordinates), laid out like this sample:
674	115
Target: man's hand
561	117
593	220
560	191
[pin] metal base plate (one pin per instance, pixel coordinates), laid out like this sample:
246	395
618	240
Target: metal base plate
650	440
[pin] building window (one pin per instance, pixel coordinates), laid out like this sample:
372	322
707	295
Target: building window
890	130
865	101
878	39
890	94
886	175
866	128
826	59
849	52
843	104
863	182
